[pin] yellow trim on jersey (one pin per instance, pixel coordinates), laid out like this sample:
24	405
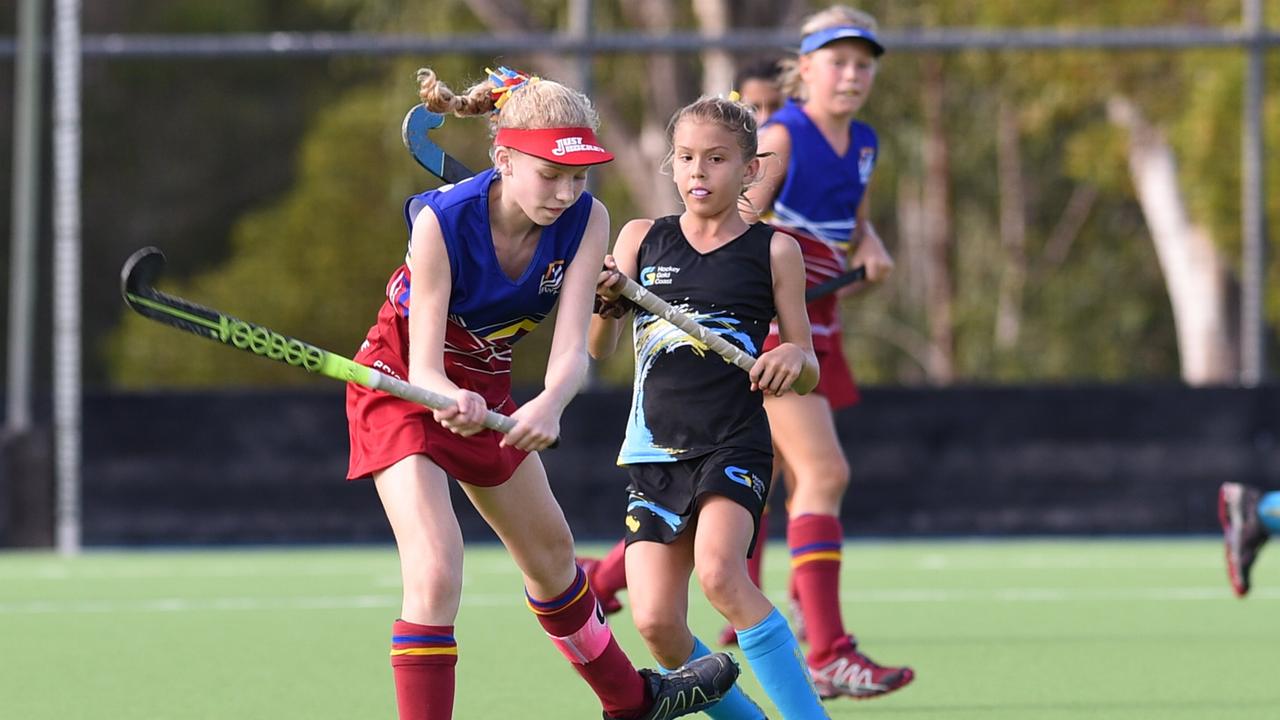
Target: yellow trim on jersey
526	325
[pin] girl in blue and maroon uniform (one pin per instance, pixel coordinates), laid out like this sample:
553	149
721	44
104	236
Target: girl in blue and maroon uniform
816	192
488	258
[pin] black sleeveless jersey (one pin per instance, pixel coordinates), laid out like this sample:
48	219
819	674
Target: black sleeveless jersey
688	401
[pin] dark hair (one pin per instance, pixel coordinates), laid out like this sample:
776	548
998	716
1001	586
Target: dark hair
762	69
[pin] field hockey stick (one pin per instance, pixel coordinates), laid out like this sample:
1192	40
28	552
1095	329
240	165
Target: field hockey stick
824	289
418	122
632	291
136	284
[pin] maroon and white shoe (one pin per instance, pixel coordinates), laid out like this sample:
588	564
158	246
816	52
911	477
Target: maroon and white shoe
851	674
1242	532
609	603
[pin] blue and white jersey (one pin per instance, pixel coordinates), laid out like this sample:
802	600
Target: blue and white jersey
489	311
822	190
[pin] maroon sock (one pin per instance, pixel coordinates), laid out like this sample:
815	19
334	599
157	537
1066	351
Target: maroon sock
815	542
423	659
755	563
578	629
610	575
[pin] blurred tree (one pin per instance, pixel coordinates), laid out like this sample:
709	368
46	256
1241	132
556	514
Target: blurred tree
1050	111
175	151
1005	183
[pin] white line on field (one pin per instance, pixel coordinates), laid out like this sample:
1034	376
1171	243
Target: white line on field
513	600
143	567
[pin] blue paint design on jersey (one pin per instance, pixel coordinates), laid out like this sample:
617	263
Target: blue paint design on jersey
653	338
671	519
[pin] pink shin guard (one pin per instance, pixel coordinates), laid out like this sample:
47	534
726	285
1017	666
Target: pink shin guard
574	622
588	643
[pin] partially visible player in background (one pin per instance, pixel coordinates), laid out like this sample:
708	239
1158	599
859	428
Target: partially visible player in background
815	188
757	86
697	447
1248	518
488	259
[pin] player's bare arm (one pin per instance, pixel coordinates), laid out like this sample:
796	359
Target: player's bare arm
867	249
429	297
538	421
605	329
775	151
792	365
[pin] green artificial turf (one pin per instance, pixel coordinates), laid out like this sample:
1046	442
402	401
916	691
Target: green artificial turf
995	630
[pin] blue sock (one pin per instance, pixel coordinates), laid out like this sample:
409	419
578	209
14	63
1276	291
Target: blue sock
733	706
779	665
1269	512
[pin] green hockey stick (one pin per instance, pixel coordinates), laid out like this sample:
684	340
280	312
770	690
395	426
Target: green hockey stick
136	284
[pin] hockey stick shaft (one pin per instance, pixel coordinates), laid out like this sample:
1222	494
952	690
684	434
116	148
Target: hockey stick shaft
632	291
824	289
419	120
139	294
428	154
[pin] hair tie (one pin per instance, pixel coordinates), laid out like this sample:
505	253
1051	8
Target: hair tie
507	82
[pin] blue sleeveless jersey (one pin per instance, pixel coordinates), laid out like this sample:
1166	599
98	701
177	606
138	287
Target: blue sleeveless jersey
488	311
822	190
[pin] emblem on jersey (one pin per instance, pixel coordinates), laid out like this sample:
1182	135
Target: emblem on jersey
651	275
866	162
552	278
743	476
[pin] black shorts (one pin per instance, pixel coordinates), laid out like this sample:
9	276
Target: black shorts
664	495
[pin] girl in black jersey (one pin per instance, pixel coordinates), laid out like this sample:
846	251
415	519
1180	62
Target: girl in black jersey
697	447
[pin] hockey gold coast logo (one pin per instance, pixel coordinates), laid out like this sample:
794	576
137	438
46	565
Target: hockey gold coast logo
552	278
651	275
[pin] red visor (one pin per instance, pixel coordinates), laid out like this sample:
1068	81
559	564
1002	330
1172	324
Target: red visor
566	146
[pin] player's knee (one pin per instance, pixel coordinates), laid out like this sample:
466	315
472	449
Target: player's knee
658	626
828	477
547	565
433	589
722	581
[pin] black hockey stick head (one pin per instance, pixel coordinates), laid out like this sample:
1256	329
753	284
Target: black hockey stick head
137	277
137	285
418	122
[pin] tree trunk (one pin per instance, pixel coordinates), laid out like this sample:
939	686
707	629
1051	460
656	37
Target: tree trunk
1194	272
1013	228
717	65
937	223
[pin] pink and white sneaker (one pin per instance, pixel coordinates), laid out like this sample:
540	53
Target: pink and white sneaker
852	674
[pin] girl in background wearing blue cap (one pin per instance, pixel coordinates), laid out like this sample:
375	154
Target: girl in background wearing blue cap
816	191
